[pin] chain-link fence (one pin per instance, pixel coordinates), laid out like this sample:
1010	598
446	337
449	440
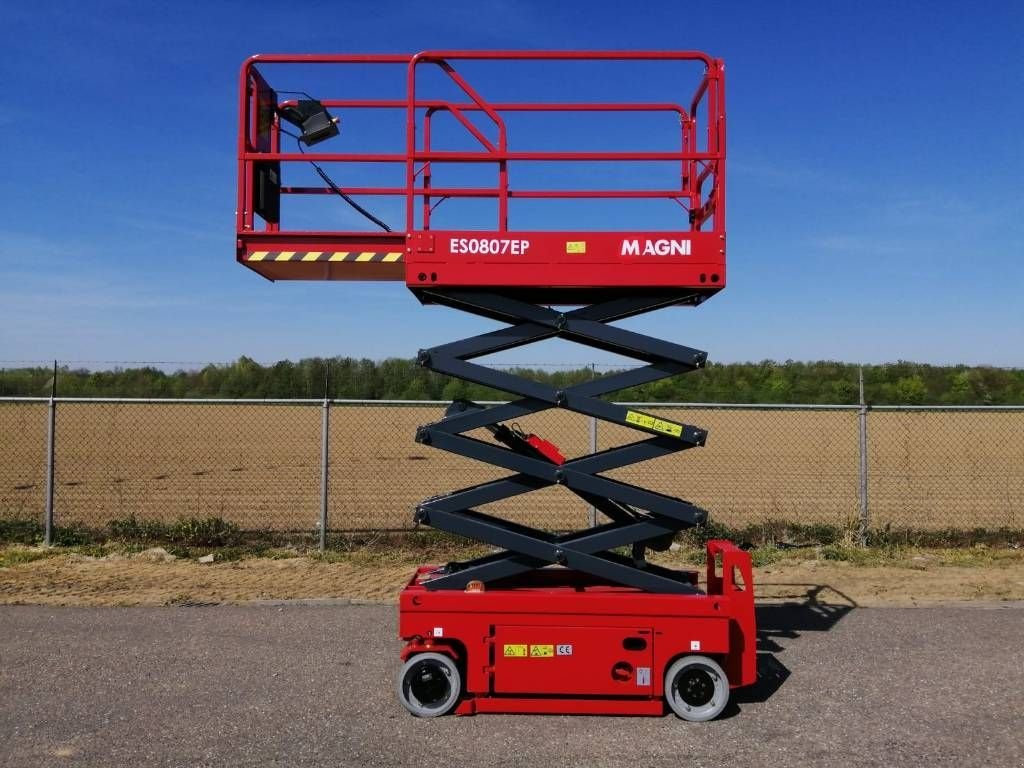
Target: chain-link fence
261	464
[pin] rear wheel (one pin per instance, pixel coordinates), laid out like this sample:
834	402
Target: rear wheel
696	688
429	684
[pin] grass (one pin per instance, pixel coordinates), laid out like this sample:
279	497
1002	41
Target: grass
383	549
945	537
915	558
17	555
400	551
185	532
29	532
20	531
187	538
769	542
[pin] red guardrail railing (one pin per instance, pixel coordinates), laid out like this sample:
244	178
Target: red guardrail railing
700	192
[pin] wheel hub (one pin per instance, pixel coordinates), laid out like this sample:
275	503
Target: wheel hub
695	687
429	685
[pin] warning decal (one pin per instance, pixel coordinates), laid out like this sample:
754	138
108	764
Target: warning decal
515	651
576	246
657	425
541	651
388	257
643	676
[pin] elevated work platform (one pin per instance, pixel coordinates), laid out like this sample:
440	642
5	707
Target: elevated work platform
552	263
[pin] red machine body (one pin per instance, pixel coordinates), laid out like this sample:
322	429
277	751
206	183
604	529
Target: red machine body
558	641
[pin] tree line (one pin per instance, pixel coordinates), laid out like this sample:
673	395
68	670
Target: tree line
822	382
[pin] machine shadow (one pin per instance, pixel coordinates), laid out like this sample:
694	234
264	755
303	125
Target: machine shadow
803	608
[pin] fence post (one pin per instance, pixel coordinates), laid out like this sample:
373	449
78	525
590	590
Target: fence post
592	426
592	514
863	419
51	439
325	430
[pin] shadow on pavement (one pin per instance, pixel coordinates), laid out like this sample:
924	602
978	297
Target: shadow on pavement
810	608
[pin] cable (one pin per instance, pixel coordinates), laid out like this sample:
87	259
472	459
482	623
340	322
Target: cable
327	179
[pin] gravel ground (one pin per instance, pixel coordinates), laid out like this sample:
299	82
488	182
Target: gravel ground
311	684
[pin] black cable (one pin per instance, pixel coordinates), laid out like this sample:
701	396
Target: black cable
327	179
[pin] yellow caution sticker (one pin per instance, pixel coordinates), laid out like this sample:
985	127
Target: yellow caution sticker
576	246
387	257
658	425
515	651
541	651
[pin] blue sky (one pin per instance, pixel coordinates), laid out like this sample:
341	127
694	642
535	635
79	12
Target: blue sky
876	178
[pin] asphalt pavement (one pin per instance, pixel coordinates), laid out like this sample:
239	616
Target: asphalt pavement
305	684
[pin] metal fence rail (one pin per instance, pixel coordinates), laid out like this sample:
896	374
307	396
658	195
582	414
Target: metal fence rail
344	465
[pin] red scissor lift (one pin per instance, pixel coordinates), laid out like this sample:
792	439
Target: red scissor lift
577	622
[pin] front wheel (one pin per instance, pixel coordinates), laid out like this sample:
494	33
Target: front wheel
696	688
429	684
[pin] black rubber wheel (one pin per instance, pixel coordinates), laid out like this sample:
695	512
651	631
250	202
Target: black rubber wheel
429	684
696	688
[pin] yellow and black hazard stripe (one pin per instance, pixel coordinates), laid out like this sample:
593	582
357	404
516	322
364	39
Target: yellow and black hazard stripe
388	257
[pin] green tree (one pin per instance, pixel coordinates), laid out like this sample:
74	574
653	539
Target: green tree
911	390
